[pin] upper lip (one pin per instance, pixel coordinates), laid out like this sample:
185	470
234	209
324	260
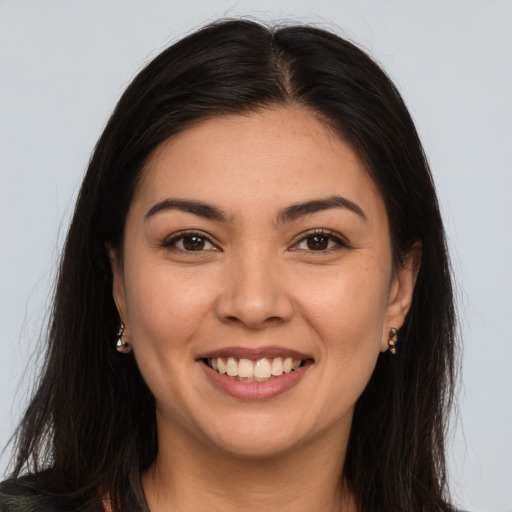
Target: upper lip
254	353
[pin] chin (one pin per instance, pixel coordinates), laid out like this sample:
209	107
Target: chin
256	438
256	448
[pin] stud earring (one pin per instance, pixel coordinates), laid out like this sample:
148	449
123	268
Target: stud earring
393	338
122	345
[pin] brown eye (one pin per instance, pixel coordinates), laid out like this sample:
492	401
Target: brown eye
190	242
317	242
321	242
194	243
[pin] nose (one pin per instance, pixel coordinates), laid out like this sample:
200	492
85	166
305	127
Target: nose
254	294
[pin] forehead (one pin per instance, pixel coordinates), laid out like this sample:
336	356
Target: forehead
269	158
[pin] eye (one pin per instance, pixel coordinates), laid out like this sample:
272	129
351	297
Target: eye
320	241
190	242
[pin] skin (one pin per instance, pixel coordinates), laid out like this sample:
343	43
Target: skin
257	281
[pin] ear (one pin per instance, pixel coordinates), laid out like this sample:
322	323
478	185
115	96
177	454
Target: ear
118	290
401	292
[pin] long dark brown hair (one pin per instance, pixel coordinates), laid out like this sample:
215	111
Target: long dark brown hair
91	421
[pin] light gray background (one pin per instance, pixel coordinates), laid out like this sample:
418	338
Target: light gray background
64	64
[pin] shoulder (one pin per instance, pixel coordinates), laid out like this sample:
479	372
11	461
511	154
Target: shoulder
22	496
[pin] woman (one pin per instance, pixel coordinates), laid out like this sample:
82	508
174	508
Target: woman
254	307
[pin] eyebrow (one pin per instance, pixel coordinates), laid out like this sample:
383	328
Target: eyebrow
190	206
287	214
295	211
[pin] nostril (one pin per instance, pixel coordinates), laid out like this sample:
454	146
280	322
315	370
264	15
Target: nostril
254	302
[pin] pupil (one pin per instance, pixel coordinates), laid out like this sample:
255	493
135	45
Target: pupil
318	242
193	243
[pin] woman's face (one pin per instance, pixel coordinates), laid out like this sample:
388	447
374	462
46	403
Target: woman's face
254	244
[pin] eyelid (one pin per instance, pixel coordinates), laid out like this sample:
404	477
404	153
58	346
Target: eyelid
340	240
170	242
337	238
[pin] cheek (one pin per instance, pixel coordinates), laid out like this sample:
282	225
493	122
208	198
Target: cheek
164	308
165	311
346	311
348	305
350	322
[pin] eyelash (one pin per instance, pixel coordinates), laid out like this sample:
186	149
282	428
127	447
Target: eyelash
171	243
339	242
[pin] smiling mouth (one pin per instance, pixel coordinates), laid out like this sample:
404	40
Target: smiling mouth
261	370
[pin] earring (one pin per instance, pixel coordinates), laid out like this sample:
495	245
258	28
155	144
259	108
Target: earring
393	338
122	345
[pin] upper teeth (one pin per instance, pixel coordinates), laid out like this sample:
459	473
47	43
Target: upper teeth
263	368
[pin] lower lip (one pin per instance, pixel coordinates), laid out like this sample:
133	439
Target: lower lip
256	390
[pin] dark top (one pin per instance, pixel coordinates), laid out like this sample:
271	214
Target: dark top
16	496
21	496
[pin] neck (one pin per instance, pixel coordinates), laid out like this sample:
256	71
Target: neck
188	475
